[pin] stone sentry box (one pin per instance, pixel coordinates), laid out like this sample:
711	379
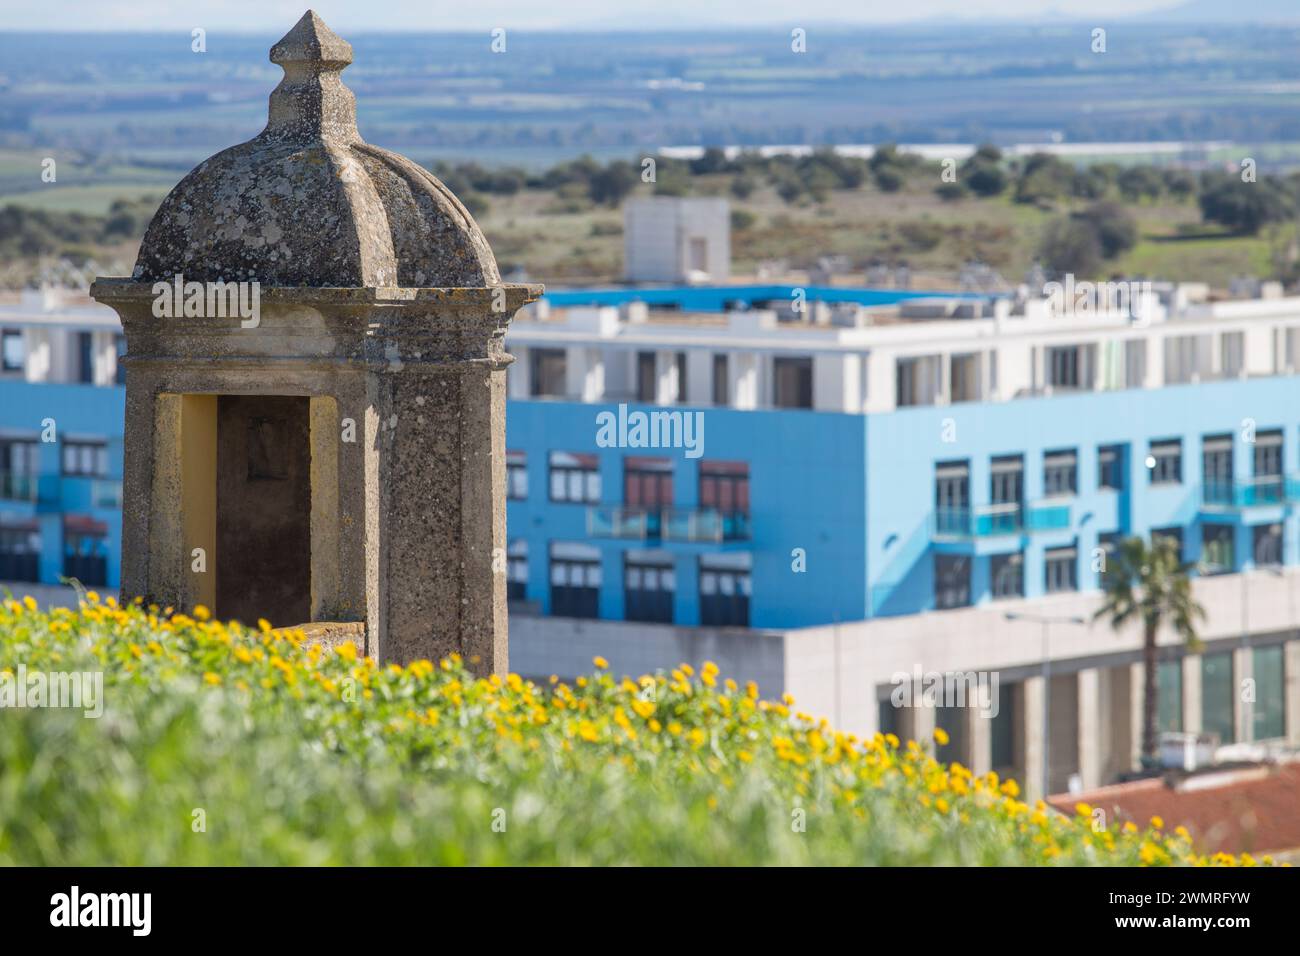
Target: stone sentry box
338	457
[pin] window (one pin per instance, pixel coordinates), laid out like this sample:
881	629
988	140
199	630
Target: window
1268	669
516	475
1187	358
575	580
951	581
1217	696
1166	462
680	363
1216	549
1267	545
1172	534
1060	473
647	378
1007	574
1110	467
1060	570
85	551
918	380
724	590
13	350
724	486
20	553
1135	363
86	358
649	583
1232	354
517	571
1268	488
547	367
952	496
1007	480
1063	369
792	378
19	465
720	380
648	483
574	477
964	374
85	458
1169	696
1216	469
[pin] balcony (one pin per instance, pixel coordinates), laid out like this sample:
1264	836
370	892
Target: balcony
991	521
667	524
1226	495
77	493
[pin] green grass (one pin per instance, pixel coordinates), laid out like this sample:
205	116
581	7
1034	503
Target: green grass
223	745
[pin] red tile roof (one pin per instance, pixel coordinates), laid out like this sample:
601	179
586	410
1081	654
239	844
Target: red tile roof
1253	809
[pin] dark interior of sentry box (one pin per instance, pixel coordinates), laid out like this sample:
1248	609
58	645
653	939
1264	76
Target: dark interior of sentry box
263	509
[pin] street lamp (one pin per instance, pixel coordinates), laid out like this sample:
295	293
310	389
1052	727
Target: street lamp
1047	621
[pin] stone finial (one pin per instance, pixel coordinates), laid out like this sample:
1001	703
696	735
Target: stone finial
307	202
311	101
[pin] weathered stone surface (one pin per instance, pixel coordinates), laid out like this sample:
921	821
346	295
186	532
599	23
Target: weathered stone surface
382	306
308	203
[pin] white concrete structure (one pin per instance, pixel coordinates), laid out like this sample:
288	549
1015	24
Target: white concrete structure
868	360
846	673
669	239
52	335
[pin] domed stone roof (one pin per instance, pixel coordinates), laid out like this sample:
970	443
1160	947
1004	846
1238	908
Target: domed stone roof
307	202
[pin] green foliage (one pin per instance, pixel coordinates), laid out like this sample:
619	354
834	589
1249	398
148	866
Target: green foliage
294	756
1245	207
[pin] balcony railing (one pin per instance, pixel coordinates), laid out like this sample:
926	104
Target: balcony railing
667	524
1232	495
988	521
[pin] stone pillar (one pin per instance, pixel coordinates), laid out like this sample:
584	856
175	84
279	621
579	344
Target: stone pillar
1031	715
1192	693
1292	669
979	738
1243	669
440	393
1090	720
1136	691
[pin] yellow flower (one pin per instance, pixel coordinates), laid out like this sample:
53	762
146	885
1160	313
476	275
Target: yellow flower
600	662
1158	823
211	678
201	613
587	731
941	736
941	805
347	650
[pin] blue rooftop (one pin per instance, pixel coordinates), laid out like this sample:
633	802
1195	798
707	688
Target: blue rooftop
721	297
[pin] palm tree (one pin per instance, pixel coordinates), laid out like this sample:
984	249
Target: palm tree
1150	584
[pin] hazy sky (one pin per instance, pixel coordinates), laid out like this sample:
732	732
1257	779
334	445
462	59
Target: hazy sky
353	16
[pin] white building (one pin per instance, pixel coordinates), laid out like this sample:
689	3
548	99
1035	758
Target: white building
667	239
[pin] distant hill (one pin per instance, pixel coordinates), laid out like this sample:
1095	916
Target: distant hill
1243	12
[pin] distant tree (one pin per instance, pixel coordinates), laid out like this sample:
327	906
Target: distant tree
1141	182
1179	183
714	160
1070	244
1116	229
743	186
610	185
1044	178
1149	585
1243	207
742	219
889	179
951	192
983	173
